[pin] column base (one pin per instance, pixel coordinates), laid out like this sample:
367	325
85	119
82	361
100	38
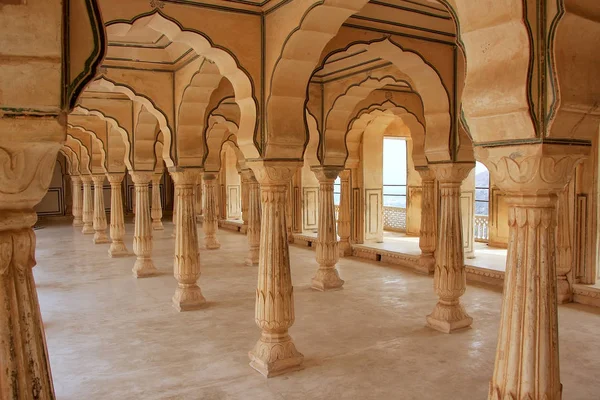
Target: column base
563	291
212	243
118	249
327	279
275	354
144	267
244	229
100	237
174	234
448	317
251	262
426	264
345	248
188	297
157	225
77	223
88	229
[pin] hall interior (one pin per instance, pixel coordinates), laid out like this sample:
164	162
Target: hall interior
256	199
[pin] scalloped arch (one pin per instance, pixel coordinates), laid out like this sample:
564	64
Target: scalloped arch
97	140
218	131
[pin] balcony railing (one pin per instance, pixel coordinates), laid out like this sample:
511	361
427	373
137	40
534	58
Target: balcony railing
394	219
480	228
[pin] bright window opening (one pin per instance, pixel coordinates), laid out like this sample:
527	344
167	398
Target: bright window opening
394	172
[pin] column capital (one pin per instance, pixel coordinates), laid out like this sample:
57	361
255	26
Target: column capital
115	178
86	178
532	169
452	172
344	174
426	173
98	179
270	172
141	177
156	177
75	178
209	176
326	173
247	175
188	176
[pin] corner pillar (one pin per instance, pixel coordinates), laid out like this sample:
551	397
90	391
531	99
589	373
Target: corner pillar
117	219
450	278
77	200
343	223
211	217
88	206
142	237
427	236
156	212
275	352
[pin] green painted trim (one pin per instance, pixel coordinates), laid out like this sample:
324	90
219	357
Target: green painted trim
27	112
213	6
396	33
143	45
409	9
151	62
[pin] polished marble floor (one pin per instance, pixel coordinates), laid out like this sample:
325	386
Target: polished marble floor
111	336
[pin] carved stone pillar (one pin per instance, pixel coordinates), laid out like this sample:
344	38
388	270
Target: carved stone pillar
254	216
563	247
99	221
275	352
245	199
77	200
531	176
427	237
343	223
199	207
288	213
88	206
328	253
174	217
186	266
142	237
211	212
450	279
156	213
117	220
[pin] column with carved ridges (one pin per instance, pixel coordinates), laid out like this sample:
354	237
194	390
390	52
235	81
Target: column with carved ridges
427	236
100	225
211	212
254	217
142	237
186	266
275	352
343	222
156	213
450	279
199	207
245	199
174	233
532	177
117	219
77	200
328	253
563	247
88	206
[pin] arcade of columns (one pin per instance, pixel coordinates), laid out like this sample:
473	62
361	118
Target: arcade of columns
293	87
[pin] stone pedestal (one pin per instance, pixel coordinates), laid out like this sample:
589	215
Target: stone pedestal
156	213
254	216
186	266
77	208
450	279
88	206
142	237
328	254
343	222
563	249
117	220
211	218
275	352
531	176
99	222
427	236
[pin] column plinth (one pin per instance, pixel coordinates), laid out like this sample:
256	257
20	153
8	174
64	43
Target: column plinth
117	219
186	265
77	208
254	217
88	206
156	212
275	352
450	279
99	222
211	212
427	236
328	254
531	176
142	237
343	222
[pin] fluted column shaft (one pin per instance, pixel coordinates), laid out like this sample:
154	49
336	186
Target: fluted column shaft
100	224
328	253
563	246
117	219
343	222
156	212
427	236
88	206
254	220
245	200
450	279
174	216
211	218
275	352
142	237
186	265
527	357
77	208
